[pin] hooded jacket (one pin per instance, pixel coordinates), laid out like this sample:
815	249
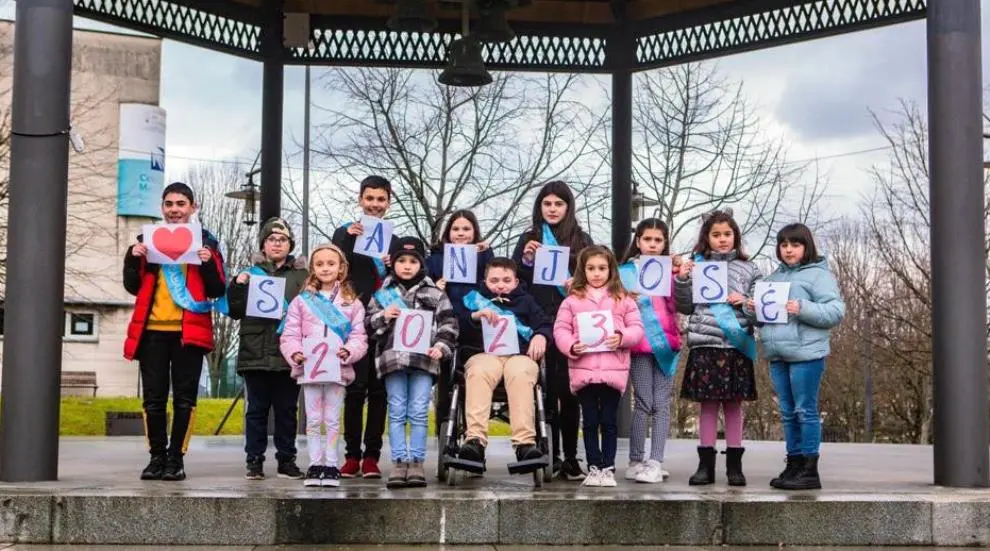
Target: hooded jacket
520	303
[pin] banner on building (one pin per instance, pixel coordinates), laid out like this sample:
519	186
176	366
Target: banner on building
140	160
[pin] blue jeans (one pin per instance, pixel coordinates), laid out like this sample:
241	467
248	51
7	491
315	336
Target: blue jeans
600	409
408	394
797	385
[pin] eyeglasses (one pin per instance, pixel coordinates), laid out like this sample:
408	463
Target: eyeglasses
276	240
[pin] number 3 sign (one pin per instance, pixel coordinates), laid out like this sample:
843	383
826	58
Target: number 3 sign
594	328
501	339
413	331
322	364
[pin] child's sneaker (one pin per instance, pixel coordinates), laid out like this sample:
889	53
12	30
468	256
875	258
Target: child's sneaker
593	478
313	476
652	473
331	477
289	469
571	470
606	478
350	469
634	468
255	470
370	468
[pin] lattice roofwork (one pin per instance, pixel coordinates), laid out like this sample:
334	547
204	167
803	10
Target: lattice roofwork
552	35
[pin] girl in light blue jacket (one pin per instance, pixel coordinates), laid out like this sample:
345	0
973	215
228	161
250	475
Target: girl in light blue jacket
797	349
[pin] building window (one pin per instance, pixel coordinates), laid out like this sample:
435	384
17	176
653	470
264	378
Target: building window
81	326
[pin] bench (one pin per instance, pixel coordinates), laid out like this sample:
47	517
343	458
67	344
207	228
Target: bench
79	379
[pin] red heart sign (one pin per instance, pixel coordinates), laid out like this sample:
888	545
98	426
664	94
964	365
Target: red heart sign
172	243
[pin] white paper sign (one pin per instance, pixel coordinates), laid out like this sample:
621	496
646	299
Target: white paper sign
710	282
460	263
413	331
375	239
653	276
594	328
266	296
322	364
771	301
501	339
173	243
550	266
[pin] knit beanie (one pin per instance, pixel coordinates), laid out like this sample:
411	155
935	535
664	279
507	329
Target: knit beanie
276	225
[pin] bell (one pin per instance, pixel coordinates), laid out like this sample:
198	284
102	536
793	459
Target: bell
492	25
412	16
464	65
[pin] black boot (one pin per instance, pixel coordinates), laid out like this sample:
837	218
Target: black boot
155	469
794	463
806	479
175	468
733	466
706	468
472	450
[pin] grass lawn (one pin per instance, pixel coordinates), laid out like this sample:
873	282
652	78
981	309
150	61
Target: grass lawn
83	416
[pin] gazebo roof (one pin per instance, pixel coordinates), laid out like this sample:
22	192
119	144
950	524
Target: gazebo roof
552	35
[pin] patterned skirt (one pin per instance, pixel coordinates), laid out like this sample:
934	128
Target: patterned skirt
718	374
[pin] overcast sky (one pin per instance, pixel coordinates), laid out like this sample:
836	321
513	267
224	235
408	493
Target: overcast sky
816	95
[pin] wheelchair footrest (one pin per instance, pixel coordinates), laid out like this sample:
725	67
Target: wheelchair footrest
463	464
528	466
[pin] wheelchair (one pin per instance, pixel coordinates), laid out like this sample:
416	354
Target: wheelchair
454	427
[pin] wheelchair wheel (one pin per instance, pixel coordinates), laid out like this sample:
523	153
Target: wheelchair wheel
547	474
442	471
538	478
452	477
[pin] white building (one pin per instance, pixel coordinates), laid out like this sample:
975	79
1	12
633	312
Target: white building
108	69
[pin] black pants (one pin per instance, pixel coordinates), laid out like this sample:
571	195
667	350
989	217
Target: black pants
366	386
600	407
562	406
264	391
168	365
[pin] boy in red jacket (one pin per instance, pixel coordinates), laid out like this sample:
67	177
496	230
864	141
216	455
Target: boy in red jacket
169	333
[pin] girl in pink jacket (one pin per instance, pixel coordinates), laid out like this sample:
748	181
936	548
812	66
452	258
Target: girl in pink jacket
326	318
599	356
654	359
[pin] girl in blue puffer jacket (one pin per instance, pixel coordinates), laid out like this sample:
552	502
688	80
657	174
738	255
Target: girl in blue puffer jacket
797	349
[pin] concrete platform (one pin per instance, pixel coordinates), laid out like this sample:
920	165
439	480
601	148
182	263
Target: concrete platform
875	495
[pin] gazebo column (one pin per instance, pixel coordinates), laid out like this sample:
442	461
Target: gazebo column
272	87
959	347
620	55
39	179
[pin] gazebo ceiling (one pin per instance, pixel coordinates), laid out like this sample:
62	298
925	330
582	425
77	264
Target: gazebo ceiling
551	35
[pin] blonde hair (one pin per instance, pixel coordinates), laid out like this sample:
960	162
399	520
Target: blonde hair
346	290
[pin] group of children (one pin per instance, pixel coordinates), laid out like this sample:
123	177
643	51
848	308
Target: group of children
642	344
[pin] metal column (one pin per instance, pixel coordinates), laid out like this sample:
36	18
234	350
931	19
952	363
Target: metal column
39	176
272	92
958	259
621	50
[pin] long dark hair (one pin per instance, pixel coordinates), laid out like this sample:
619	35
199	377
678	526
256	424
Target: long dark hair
718	217
648	224
462	213
798	233
568	232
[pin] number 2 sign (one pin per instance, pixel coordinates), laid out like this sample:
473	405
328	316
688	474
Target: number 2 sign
501	339
322	364
413	331
594	328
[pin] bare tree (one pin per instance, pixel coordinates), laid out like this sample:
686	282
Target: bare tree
698	146
446	148
223	217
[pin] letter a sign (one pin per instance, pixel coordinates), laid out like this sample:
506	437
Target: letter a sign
460	263
375	240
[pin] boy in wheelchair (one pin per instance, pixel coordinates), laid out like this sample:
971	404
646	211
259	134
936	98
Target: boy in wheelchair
501	295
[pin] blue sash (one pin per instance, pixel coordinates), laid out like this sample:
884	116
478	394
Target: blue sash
662	351
550	239
256	270
176	283
726	319
473	301
327	311
387	296
379	264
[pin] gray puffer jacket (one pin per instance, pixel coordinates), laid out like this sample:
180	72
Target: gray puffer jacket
702	328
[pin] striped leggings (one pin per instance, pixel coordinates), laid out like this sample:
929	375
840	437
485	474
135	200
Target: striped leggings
651	397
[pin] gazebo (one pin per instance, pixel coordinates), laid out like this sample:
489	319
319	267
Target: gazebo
615	37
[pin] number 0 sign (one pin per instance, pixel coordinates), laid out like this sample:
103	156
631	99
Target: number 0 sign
413	331
322	364
501	339
594	328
